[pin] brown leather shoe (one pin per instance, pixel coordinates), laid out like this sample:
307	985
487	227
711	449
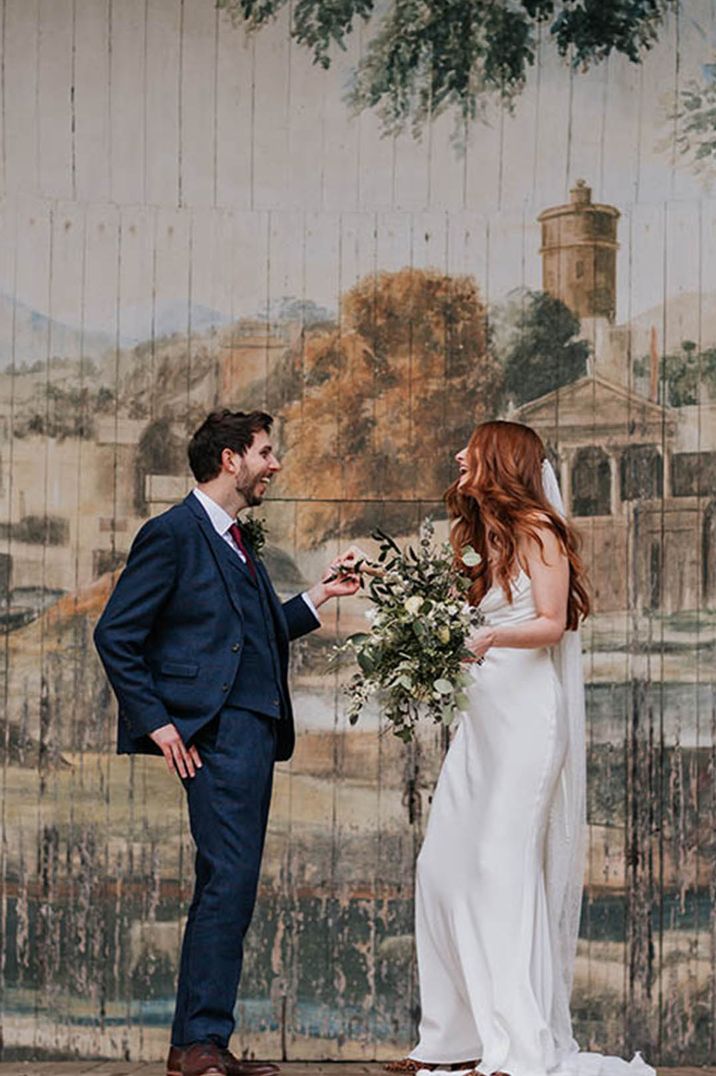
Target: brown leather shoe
238	1067
202	1059
174	1060
234	1066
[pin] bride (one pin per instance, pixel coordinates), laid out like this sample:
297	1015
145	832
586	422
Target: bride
499	876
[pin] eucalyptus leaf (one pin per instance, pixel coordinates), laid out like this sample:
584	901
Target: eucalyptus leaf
447	715
366	660
470	557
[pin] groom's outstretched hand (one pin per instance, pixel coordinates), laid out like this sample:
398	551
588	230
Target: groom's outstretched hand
338	581
179	758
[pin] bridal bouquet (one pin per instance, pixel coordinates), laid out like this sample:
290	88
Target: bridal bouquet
413	656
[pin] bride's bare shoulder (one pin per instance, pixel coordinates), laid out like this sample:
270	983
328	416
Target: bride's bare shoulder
543	546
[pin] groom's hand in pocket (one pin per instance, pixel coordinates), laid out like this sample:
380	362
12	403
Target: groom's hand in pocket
179	758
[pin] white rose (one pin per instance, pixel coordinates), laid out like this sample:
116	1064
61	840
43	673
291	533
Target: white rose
413	604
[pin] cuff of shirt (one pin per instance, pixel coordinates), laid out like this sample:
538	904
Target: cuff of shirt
311	606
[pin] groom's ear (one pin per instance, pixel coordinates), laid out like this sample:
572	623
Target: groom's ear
228	461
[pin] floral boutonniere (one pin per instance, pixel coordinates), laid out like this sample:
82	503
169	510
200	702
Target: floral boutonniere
255	531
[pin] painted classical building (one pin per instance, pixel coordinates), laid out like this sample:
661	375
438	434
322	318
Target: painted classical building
640	484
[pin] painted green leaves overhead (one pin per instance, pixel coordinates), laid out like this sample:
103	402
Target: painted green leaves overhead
426	56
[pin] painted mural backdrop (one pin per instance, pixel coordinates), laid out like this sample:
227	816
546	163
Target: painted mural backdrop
191	217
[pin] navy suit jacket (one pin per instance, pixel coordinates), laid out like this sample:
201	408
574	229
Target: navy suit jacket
171	635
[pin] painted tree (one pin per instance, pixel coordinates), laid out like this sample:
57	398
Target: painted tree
387	399
684	374
426	56
536	340
691	124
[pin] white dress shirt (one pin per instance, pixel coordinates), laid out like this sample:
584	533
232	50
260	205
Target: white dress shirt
221	521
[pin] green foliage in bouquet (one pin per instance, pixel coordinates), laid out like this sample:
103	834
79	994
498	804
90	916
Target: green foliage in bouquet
413	657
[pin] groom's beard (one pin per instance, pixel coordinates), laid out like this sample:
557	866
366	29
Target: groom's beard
246	486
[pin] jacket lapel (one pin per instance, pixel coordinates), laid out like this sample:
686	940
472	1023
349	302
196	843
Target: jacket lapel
220	552
276	606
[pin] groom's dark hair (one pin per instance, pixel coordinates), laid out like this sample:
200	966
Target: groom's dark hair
220	430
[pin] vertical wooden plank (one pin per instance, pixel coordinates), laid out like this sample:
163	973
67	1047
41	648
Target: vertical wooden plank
682	571
235	115
163	30
54	115
374	156
375	161
410	172
20	64
589	113
446	164
348	925
358	267
483	167
271	92
198	104
127	136
341	137
243	343
703	432
57	704
210	258
214	295
9	860
77	662
91	135
622	132
47	834
3	97
306	144
103	266
553	172
659	78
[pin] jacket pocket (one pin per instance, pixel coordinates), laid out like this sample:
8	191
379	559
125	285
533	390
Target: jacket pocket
179	669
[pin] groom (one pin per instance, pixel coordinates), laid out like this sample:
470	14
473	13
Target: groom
194	640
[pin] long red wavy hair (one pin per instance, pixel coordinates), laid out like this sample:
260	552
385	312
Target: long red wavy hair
501	504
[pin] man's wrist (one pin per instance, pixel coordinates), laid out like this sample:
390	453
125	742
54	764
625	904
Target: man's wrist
308	601
318	594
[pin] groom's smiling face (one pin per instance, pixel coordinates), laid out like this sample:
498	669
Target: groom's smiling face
255	469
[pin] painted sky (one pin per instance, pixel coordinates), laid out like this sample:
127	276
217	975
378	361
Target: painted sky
183	177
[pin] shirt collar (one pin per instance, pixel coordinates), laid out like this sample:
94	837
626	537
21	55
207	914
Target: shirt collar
220	519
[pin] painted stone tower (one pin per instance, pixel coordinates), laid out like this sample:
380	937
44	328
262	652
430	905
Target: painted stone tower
579	251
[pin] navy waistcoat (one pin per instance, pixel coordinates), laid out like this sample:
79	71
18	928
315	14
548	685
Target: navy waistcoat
257	685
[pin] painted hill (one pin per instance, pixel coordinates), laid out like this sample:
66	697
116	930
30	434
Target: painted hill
684	315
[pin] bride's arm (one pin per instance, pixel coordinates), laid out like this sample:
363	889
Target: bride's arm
549	572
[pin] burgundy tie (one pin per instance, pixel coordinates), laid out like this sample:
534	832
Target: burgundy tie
235	532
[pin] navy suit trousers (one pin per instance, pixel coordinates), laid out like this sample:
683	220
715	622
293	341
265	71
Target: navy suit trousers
228	800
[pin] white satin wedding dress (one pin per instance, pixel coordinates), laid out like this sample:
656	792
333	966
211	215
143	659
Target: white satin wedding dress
499	876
